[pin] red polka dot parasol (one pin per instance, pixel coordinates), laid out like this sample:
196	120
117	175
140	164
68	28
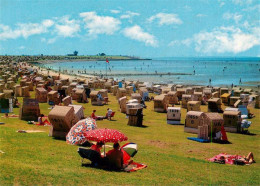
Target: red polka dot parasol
105	135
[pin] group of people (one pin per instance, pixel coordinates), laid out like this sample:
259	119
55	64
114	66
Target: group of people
113	159
108	116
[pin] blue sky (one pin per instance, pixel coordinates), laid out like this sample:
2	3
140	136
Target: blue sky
154	28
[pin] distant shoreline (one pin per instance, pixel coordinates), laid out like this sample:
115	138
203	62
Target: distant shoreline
72	60
73	76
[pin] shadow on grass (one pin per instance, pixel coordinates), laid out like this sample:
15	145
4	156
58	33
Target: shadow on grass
221	142
59	139
112	120
180	124
248	133
89	165
142	126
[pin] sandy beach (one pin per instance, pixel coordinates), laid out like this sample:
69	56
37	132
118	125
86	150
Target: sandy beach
73	76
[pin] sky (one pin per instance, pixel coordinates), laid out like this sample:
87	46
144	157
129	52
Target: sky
143	28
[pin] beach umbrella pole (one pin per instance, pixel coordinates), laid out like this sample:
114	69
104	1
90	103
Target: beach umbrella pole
104	150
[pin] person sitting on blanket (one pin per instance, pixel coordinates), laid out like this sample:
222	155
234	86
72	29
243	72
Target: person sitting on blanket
115	157
97	147
93	116
40	119
109	113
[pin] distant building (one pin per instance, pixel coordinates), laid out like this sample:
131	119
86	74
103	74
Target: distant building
75	53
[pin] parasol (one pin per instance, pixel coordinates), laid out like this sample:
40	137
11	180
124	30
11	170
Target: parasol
77	133
105	135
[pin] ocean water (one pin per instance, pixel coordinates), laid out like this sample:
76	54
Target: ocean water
221	71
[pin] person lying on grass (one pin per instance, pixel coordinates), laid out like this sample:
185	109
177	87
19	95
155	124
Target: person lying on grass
249	159
235	159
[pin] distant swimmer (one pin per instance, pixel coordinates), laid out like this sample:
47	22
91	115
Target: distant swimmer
240	81
194	72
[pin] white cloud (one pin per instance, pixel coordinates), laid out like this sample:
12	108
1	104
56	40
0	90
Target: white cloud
7	33
253	8
129	15
187	42
235	16
100	24
166	19
49	41
43	39
47	22
115	11
173	43
223	40
221	2
24	29
22	47
201	15
137	33
66	27
187	8
226	39
242	2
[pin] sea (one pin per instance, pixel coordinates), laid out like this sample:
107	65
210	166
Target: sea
186	71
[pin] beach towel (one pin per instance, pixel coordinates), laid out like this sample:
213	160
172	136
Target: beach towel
134	167
45	122
11	116
198	139
29	131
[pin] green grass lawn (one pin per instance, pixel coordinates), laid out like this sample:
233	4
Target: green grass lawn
36	158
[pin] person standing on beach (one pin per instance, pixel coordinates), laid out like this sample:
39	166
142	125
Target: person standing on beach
240	81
